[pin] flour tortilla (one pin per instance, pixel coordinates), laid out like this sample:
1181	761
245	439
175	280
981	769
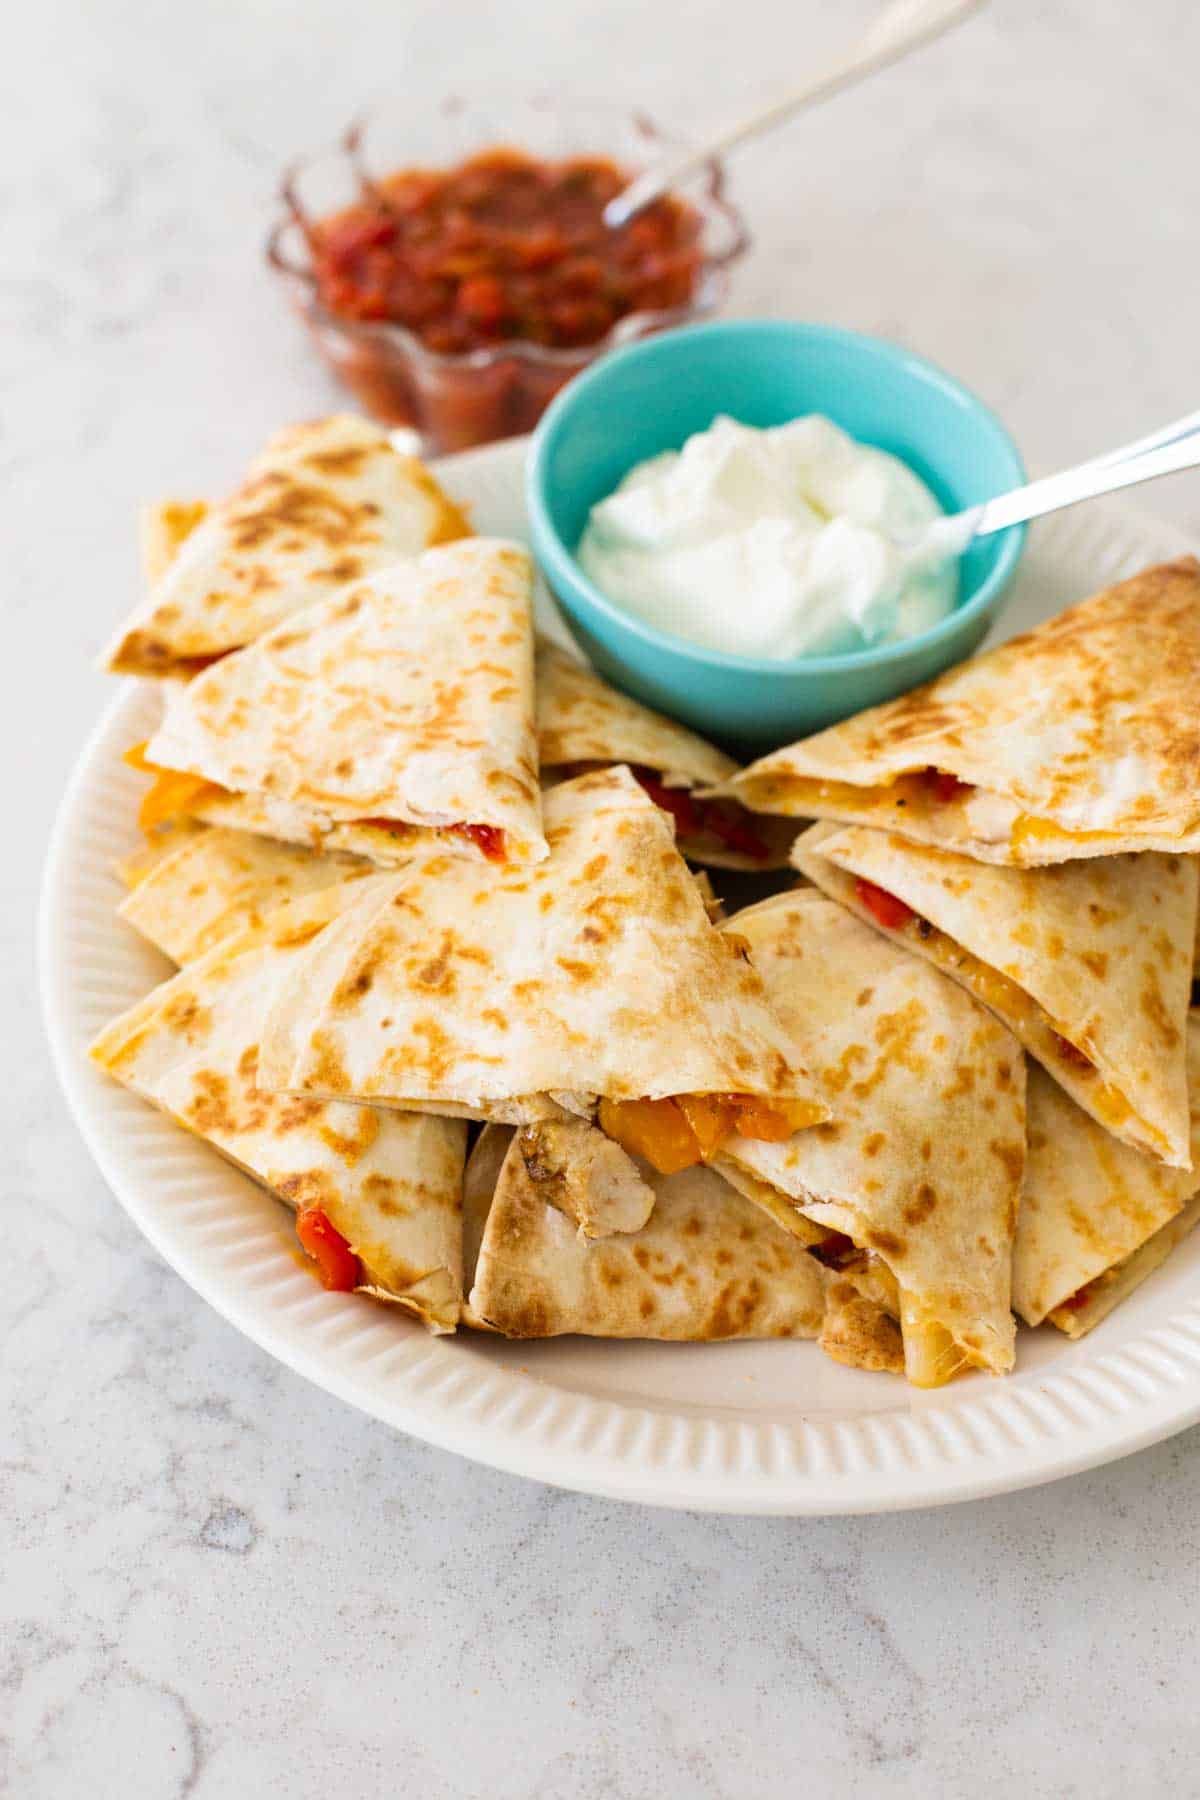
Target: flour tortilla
325	503
389	1182
1094	1211
1079	739
514	994
217	882
163	528
584	723
406	698
922	1163
1096	955
162	842
706	1265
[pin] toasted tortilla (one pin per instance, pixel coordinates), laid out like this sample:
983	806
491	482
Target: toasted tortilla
921	1165
706	1265
390	1183
398	711
1089	963
217	882
157	846
1080	738
583	723
163	528
325	503
514	994
1095	1211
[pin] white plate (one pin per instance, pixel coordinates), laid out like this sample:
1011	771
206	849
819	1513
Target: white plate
771	1428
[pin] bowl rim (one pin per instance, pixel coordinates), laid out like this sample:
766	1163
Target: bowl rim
561	564
711	200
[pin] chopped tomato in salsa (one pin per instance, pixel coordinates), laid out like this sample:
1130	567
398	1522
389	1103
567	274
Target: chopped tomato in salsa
337	1266
886	910
683	1129
694	818
503	246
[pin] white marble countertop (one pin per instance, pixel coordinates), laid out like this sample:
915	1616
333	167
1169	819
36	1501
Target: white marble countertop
218	1581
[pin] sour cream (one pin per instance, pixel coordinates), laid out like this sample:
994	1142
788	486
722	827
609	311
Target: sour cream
776	543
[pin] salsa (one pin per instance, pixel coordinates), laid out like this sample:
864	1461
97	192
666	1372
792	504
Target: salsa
503	247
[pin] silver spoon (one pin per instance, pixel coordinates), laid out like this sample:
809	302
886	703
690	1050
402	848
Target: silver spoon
901	27
1164	452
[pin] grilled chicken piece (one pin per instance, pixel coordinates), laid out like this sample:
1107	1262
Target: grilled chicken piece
582	1173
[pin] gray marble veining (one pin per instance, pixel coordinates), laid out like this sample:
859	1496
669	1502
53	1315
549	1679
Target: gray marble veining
217	1581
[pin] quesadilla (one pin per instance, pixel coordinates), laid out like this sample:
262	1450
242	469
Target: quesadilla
1097	1217
592	984
706	1265
216	882
399	711
163	528
326	503
1080	738
584	724
377	1194
162	841
1089	963
918	1175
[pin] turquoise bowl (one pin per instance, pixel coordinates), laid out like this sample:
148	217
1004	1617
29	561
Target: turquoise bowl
655	394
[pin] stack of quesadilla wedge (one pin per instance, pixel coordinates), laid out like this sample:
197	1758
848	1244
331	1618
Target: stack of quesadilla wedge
918	1174
1079	739
591	984
216	882
706	1264
1097	1218
584	724
399	710
378	1194
1088	963
324	504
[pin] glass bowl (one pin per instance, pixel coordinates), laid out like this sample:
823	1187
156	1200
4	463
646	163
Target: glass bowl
456	401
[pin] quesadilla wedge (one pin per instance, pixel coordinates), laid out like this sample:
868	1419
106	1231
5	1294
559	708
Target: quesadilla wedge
585	724
1080	738
161	842
591	984
399	711
918	1175
1088	963
326	503
377	1194
1097	1217
217	882
706	1265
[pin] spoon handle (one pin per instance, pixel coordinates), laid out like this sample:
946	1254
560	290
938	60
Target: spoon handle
899	29
1088	481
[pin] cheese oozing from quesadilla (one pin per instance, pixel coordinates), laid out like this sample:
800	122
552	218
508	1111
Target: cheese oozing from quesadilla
593	983
399	711
377	1195
918	1173
1089	963
326	503
1078	739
